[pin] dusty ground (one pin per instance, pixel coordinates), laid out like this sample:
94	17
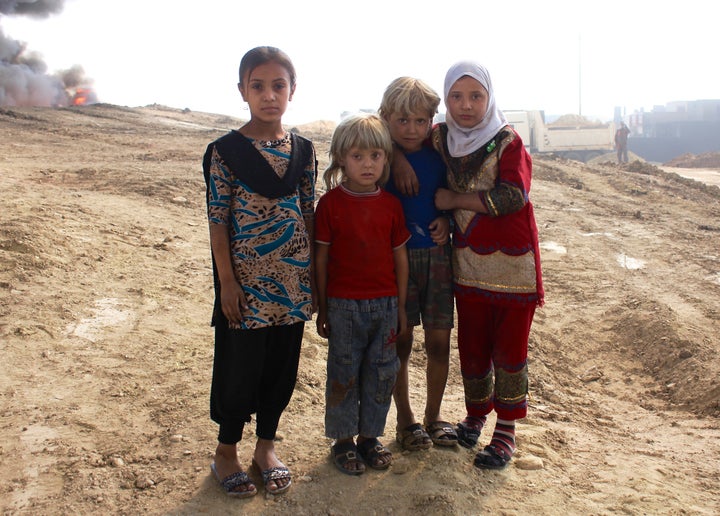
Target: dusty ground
105	296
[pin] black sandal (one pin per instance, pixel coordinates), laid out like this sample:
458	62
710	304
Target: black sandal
491	457
347	453
373	452
442	433
469	433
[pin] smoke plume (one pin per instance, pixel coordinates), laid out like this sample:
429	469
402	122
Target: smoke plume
35	8
24	77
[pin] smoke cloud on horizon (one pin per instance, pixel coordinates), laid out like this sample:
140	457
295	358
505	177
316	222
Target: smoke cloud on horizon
24	77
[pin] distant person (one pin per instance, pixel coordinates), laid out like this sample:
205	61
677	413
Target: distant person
496	256
260	197
361	268
621	141
408	107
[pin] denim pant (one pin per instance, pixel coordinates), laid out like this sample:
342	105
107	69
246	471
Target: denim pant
361	367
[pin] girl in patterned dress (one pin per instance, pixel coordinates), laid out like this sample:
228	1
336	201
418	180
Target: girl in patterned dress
260	196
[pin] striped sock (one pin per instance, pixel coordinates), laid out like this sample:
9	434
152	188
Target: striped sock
503	438
475	422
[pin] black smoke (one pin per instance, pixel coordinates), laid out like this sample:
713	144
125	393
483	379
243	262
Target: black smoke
24	76
34	8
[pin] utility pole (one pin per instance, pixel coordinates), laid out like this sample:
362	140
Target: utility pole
579	75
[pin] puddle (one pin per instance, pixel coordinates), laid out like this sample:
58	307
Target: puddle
626	262
105	313
553	247
609	235
37	470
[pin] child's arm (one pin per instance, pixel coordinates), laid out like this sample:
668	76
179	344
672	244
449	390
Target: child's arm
448	200
232	297
440	230
404	176
402	270
322	252
510	193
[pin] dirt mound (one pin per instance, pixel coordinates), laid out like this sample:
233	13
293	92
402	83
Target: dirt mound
571	120
705	160
105	299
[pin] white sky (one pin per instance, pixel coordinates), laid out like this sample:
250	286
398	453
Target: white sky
561	56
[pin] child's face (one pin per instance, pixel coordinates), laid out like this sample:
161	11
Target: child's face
409	131
267	91
467	102
363	168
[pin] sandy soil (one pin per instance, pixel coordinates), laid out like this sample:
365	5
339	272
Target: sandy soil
706	175
105	297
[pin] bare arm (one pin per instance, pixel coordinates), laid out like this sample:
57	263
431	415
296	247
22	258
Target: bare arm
404	176
322	252
448	200
232	297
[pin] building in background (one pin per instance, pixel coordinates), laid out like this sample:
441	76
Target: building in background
675	129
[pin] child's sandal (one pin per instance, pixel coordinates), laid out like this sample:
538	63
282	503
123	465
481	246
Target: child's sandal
413	438
375	454
491	457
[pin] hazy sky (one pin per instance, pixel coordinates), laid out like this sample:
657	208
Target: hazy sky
555	55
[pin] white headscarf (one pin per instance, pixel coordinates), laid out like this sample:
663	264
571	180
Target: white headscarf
463	141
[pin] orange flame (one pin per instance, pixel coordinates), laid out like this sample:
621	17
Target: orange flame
83	96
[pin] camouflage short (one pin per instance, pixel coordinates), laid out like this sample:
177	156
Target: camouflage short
430	288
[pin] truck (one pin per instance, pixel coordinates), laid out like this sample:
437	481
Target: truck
571	136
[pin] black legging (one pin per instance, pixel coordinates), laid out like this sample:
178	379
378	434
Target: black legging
254	372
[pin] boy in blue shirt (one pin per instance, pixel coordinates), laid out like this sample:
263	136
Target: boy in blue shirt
408	107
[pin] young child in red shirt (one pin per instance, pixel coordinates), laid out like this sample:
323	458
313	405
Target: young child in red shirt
361	268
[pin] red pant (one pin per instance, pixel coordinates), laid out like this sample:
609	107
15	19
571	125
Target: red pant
493	345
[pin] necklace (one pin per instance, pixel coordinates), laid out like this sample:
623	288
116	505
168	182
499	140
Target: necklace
275	143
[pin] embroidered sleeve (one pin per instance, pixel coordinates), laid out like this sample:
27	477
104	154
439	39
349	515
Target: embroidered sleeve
511	190
503	199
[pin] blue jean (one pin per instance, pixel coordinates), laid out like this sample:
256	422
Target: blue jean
361	367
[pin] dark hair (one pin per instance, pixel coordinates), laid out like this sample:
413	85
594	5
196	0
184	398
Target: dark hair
261	55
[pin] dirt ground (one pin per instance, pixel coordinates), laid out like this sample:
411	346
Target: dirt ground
105	298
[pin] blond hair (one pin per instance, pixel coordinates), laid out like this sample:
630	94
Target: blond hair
407	95
361	131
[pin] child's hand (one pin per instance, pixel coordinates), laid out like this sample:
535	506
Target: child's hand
233	302
402	321
404	175
440	230
322	326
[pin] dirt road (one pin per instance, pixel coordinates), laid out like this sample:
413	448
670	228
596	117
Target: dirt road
105	297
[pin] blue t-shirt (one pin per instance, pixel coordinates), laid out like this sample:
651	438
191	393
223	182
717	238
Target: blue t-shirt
420	210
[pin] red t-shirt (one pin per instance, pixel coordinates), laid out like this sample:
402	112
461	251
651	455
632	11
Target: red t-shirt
362	230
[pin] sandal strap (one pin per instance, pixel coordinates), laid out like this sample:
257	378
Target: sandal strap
467	435
277	473
347	453
413	437
234	480
491	457
372	450
442	432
